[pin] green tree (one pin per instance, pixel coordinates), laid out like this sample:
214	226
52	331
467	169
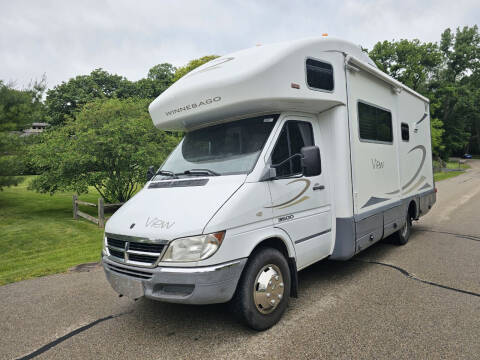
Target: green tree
183	70
65	99
9	166
456	88
436	130
409	61
108	145
474	143
416	65
69	97
163	73
159	78
19	108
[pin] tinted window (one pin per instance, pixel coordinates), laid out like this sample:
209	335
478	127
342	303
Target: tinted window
375	124
319	75
405	132
294	136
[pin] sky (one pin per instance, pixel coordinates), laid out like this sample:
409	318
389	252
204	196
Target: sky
64	38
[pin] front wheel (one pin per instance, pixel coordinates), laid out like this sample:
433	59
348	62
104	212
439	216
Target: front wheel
403	234
263	290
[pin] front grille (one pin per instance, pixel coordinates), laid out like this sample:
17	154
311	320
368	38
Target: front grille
133	252
146	247
116	253
142	258
117	243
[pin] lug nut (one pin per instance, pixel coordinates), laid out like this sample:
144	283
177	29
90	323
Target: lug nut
268	294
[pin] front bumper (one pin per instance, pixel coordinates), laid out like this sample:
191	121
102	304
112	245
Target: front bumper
199	285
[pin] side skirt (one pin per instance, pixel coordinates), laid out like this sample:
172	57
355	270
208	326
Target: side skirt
356	233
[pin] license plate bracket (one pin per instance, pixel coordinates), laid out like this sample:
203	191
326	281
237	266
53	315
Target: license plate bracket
124	285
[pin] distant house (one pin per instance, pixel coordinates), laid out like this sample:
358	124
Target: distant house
36	128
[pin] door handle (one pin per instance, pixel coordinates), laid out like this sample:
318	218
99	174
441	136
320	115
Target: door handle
319	187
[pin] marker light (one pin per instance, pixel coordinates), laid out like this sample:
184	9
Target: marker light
295	86
324	34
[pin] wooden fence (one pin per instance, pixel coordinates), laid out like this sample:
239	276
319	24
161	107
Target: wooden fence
100	220
441	166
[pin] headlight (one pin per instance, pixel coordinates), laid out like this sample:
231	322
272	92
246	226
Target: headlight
194	248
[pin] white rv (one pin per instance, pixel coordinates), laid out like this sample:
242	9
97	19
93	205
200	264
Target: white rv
293	153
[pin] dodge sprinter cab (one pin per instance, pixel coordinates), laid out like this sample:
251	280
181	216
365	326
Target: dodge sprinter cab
293	153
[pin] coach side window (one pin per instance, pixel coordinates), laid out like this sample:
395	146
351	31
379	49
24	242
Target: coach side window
405	132
375	124
319	75
294	136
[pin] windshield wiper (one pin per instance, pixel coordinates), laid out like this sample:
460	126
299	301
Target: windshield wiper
201	172
166	173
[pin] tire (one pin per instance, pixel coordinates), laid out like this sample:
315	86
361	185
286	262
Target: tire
402	235
264	272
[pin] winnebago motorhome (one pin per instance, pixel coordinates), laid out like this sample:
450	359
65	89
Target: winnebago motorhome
293	153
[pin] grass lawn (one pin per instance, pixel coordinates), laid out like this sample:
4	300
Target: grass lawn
439	176
446	175
39	235
455	165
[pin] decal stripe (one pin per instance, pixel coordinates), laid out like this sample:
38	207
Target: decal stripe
374	200
307	184
295	202
312	236
423	118
393	192
424	155
417	184
426	186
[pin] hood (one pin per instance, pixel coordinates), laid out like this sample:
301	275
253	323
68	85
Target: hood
170	209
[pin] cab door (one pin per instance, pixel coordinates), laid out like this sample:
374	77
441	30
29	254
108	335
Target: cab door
300	204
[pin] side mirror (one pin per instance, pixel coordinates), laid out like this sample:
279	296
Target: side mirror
311	162
150	173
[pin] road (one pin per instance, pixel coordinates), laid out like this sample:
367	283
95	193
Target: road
421	300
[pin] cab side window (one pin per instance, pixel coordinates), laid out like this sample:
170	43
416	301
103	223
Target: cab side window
294	136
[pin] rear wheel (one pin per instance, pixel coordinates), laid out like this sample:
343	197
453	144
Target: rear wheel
402	236
263	290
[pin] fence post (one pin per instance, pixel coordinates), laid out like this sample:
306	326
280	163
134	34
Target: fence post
101	213
75	206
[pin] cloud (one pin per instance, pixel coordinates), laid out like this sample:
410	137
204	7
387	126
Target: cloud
67	38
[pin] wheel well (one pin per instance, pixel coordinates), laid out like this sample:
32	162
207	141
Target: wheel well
412	209
277	243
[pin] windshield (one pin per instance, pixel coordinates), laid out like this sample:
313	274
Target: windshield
225	149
